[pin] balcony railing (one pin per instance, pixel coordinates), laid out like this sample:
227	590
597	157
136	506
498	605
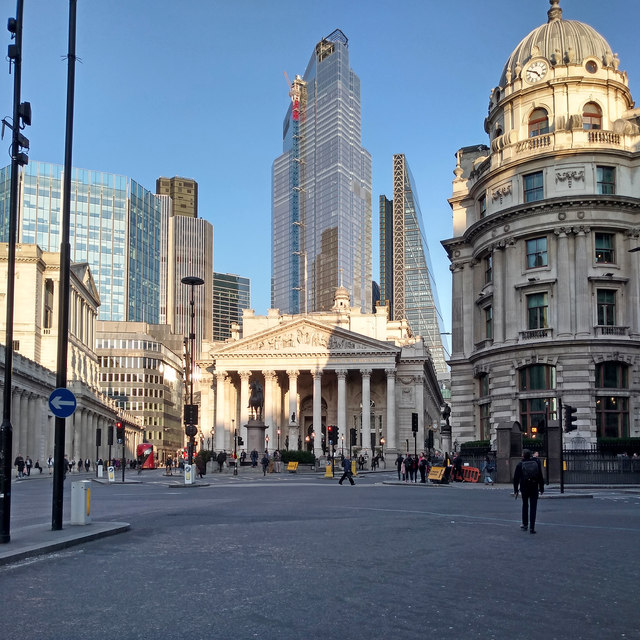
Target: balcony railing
607	330
537	142
598	136
535	334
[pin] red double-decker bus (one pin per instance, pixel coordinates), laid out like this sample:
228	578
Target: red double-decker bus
144	456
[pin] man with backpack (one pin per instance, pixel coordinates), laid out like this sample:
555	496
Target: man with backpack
529	481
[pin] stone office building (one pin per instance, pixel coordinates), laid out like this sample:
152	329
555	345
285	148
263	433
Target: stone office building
545	225
321	369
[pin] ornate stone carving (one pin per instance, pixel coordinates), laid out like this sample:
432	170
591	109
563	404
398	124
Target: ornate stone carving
501	192
569	176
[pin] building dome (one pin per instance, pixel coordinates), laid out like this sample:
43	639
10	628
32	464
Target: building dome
561	42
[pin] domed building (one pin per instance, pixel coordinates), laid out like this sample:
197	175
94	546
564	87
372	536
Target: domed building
546	225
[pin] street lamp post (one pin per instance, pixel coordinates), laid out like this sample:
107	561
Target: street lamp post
191	428
382	441
278	432
267	441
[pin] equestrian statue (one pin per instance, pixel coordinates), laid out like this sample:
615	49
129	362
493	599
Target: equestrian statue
256	401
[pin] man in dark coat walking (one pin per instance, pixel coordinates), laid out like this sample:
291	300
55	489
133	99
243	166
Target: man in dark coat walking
346	465
528	479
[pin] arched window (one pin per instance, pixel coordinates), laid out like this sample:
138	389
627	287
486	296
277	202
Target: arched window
538	122
591	116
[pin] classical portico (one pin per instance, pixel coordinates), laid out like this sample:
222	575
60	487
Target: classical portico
318	370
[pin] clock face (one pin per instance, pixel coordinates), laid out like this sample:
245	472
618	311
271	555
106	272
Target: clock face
536	71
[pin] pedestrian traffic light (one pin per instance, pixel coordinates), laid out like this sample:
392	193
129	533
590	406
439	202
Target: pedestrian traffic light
414	422
352	436
240	441
570	418
120	432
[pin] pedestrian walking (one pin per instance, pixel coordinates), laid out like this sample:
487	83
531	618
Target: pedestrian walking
28	464
265	463
399	461
19	464
87	465
422	467
346	466
222	457
528	479
277	458
488	469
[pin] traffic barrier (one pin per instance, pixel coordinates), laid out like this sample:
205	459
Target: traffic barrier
292	467
328	472
437	474
470	474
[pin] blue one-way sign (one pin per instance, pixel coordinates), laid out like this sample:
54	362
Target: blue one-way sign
62	402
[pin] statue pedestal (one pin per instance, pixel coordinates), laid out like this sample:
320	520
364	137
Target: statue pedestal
294	434
255	435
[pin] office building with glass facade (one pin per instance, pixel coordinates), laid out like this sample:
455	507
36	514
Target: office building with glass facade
231	294
321	207
407	284
115	227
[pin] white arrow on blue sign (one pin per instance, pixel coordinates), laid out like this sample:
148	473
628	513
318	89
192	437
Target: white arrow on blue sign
62	402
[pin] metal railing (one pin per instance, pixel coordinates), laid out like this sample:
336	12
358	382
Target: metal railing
595	467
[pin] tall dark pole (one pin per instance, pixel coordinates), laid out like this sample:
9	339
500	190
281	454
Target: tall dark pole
65	267
6	430
192	281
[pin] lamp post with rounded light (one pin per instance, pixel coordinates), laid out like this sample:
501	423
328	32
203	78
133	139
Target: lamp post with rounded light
191	428
278	432
267	441
382	441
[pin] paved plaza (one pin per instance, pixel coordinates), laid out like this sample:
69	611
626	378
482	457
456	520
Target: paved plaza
299	557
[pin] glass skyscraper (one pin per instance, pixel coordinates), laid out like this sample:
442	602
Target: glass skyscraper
321	208
407	283
231	294
115	226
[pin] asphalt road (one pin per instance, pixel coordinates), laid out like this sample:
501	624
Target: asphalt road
299	557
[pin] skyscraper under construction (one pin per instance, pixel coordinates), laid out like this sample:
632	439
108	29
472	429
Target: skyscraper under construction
321	206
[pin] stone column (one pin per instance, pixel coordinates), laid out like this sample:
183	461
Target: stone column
392	428
244	399
222	420
269	377
317	411
342	407
31	444
366	410
581	297
294	428
563	292
499	310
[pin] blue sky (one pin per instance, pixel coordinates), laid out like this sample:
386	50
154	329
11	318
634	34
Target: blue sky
196	88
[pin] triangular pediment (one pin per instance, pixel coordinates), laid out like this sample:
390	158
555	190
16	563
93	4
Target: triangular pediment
307	336
82	272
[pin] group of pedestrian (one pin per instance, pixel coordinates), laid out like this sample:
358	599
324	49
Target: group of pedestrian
24	465
409	467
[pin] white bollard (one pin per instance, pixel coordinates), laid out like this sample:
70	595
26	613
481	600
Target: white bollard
81	502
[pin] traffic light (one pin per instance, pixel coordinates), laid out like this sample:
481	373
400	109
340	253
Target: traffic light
240	441
570	418
352	436
120	432
336	435
534	431
110	435
330	435
430	439
414	422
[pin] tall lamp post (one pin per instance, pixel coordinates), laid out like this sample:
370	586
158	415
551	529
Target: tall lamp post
278	432
191	417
